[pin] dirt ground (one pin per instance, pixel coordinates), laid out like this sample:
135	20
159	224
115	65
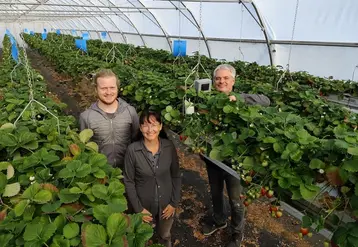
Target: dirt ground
261	229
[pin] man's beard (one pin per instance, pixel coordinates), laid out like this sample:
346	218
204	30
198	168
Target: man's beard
106	103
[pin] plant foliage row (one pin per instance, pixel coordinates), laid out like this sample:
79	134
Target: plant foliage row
299	144
55	188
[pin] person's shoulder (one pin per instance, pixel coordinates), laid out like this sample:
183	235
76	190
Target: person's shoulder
134	146
85	113
88	111
167	143
122	102
131	108
126	104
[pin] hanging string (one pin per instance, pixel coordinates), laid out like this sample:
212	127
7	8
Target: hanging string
179	20
31	91
179	57
199	38
290	49
241	25
293	33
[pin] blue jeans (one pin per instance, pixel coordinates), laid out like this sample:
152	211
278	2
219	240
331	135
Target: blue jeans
217	177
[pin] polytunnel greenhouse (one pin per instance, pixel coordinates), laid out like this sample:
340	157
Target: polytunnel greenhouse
178	123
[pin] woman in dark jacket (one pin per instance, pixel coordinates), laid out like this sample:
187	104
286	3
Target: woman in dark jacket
152	176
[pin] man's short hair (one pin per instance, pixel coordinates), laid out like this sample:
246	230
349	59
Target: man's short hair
226	67
105	73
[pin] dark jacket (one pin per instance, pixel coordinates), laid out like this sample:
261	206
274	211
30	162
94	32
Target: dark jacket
112	135
255	99
140	179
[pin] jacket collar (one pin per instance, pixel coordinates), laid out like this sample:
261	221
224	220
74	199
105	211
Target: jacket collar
146	149
121	106
138	146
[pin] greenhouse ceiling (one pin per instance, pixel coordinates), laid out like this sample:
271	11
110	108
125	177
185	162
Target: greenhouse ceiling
315	36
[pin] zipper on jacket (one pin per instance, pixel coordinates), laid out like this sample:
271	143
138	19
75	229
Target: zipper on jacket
113	143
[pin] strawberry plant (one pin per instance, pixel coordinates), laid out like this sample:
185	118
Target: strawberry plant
299	142
55	188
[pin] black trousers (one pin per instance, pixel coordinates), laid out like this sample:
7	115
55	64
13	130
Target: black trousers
163	230
217	177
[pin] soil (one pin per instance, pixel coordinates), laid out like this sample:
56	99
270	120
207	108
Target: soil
261	229
58	85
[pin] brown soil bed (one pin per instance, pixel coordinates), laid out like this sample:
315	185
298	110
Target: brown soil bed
261	229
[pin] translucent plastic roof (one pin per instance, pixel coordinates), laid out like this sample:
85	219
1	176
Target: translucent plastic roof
324	41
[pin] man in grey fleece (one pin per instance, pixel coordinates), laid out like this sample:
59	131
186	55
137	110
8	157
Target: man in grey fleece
224	80
114	122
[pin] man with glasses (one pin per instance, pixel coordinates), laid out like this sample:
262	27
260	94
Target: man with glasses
224	80
114	122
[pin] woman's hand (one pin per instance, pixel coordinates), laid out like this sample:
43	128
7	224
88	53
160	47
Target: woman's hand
168	212
147	217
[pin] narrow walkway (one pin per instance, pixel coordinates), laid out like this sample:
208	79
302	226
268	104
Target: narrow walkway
58	85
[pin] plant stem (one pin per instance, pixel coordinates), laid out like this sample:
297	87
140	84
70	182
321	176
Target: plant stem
2	203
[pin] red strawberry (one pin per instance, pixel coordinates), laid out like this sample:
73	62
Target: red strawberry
247	202
263	191
273	208
3	214
333	244
304	231
270	193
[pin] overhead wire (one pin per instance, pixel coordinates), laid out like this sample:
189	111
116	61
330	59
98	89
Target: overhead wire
241	27
290	49
30	81
179	56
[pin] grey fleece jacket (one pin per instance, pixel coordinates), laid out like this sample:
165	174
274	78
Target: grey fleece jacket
112	135
255	99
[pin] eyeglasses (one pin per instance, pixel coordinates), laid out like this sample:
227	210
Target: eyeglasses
151	126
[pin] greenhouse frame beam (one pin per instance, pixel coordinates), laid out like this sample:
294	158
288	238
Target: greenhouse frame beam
263	29
259	22
314	43
197	26
79	19
35	18
12	11
83	6
158	23
210	1
41	2
130	21
191	21
65	23
53	15
114	25
256	41
106	17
